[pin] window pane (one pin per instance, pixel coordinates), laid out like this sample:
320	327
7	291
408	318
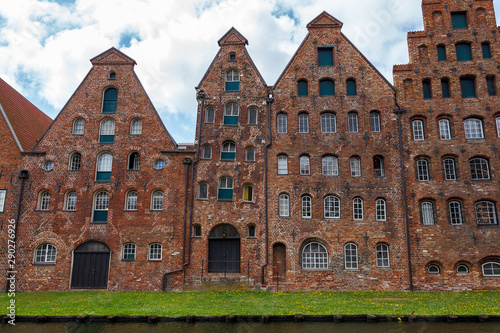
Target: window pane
207	153
75	161
383	255
108	127
378	166
498	126
381	210
351	256
422	170
105	163
283	205
306	207
355	167
455	213
325	56
2	200
444	129
282	123
157	200
250	155
304	166
328	123
332	207
155	252
330	166
252	117
375	121
303	123
473	129
449	169
210	115
282	165
248	193
110	100
427	213
418	130
485	212
314	256
479	169
71	201
353	122
129	252
79	126
357	209
136	127
132	200
203	191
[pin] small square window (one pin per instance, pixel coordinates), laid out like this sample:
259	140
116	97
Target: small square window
459	20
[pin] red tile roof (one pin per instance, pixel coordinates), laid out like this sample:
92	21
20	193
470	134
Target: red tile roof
27	121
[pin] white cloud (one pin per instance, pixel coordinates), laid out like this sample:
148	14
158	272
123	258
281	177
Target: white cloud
174	42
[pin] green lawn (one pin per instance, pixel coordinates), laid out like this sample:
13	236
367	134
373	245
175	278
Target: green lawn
254	303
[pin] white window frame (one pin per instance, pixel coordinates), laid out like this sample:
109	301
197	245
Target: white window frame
444	129
473	128
330	165
233	75
203	191
380	171
498	126
314	260
129	248
351	260
253	116
71	200
455	210
383	255
131	200
284	205
418	130
306	201
78	126
157	198
357	209
478	163
355	167
136	126
375	122
381	209
75	161
105	162
107	127
423	174
44	200
155	252
3	194
427	211
460	269
303	123
281	123
353	122
450	170
305	165
45	254
331	207
494	266
328	122
282	164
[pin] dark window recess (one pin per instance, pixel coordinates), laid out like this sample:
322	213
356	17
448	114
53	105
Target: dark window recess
103	176
490	82
107	139
326	88
426	85
441	50
303	89
486	50
459	20
468	88
232	57
251	231
325	56
445	88
110	100
197	230
351	87
464	52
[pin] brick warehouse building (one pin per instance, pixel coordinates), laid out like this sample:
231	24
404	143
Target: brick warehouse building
331	179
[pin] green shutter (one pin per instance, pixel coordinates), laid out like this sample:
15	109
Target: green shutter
468	88
459	20
326	88
107	139
351	88
486	50
303	88
233	86
490	82
445	88
325	56
103	176
228	156
426	85
226	194
463	52
110	100
441	50
231	120
100	216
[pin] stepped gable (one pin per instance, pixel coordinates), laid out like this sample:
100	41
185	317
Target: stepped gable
26	120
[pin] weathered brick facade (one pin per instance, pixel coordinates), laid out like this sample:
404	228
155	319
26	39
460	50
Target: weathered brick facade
331	179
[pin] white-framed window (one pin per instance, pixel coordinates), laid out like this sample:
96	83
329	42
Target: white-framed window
101	205
78	126
479	168
332	207
159	164
427	211
314	256
353	122
355	167
303	123
203	191
383	259
473	129
328	123
357	209
45	253
248	193
491	269
70	203
104	167
498	126
48	166
206	153
462	269
375	121
282	165
231	114
136	127
154	252
284	205
75	161
455	209
422	170
486	213
128	251
378	166
210	115
444	129
226	189
281	121
305	166
197	230
131	200
381	210
107	131
330	166
433	269
157	200
252	116
228	151
232	80
44	200
3	194
351	256
418	130
306	207
134	161
450	172
250	155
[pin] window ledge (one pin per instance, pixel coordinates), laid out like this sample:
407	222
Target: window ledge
154	260
312	270
133	170
226	200
44	264
98	222
69	211
128	259
252	237
130	210
41	210
156	210
202	199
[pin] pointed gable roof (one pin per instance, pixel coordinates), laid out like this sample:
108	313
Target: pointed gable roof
325	20
112	56
25	120
233	37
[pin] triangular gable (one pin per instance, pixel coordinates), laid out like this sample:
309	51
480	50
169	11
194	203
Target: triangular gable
325	20
233	37
112	57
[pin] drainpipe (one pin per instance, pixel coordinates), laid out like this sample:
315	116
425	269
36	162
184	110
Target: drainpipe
400	111
23	175
270	101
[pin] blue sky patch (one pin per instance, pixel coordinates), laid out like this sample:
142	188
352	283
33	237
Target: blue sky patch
127	37
62	2
280	10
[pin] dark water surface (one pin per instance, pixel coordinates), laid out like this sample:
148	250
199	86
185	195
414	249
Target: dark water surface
253	328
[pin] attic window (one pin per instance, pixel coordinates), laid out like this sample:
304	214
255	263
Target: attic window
112	76
232	57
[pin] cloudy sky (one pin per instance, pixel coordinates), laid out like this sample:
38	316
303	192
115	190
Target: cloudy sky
45	45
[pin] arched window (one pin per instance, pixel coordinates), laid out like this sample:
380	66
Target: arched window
383	255
375	121
381	210
462	269
232	80
157	200
70	202
226	189
134	161
351	87
207	153
104	167
107	131
330	166
284	205
378	166
353	122
252	116
332	207
303	89
473	129
101	205
250	155
282	165
136	127
248	193
45	254
231	114
351	256
427	211
357	209
210	115
281	123
154	252
450	172
479	168
433	269
305	167
327	87
314	256
418	130
491	269
110	100
422	170
203	191
75	161
444	129
355	167
228	151
44	200
498	126
128	251
455	209
78	126
306	207
486	213
303	123
328	123
131	200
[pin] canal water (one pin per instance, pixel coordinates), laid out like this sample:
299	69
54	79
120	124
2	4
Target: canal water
401	327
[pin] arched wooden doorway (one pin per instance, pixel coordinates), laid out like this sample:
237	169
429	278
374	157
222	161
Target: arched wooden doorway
90	266
279	262
224	250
